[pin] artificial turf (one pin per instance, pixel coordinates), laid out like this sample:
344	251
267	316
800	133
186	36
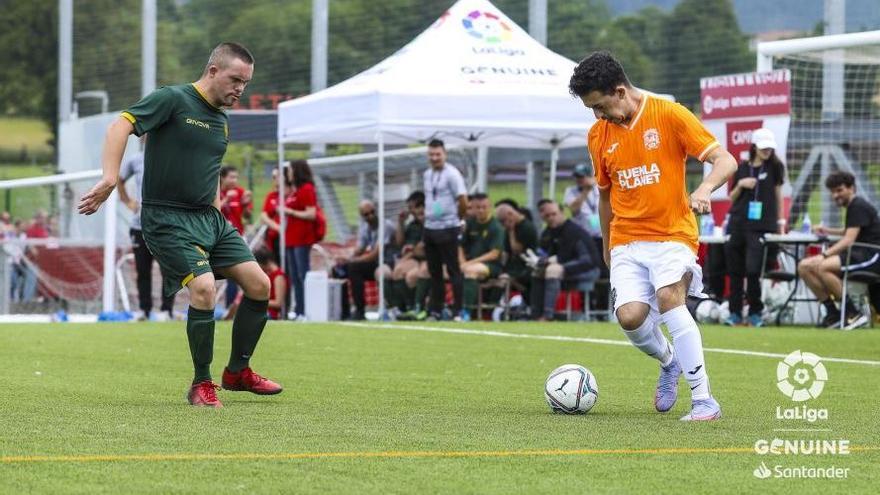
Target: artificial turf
99	408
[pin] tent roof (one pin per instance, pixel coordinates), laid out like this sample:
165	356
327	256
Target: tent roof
473	75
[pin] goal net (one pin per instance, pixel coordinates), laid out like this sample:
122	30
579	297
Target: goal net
835	121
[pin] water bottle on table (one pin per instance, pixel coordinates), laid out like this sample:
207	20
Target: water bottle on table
806	225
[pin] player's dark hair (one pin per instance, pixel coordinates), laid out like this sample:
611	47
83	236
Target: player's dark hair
302	173
417	197
599	71
436	143
513	204
840	178
263	256
226	51
544	202
773	162
479	196
226	169
509	202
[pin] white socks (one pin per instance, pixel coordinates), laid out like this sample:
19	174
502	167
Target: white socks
650	339
688	350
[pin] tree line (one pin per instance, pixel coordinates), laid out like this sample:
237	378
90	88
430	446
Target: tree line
664	51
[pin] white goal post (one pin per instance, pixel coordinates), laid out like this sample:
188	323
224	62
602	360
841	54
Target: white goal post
768	49
110	214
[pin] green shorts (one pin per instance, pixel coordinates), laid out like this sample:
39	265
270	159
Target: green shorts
189	243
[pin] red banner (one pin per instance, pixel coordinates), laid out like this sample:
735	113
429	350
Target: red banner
754	94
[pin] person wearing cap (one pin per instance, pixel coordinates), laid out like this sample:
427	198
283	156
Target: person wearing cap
756	209
583	200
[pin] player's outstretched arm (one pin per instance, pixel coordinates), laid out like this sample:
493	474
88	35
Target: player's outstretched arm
723	166
114	148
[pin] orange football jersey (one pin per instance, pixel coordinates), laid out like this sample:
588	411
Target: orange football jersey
644	165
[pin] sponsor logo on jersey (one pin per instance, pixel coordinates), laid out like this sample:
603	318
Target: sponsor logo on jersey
197	123
641	175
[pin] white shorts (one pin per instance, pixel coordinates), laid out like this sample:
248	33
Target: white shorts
639	268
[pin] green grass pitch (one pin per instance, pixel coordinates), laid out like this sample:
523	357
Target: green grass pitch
99	408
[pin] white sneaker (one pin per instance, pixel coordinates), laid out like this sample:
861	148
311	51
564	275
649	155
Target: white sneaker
703	410
856	322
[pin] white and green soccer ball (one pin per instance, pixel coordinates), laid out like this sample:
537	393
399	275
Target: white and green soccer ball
571	389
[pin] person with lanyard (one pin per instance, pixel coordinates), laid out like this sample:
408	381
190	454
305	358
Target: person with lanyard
445	207
756	209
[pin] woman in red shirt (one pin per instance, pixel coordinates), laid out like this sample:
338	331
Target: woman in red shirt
299	235
269	216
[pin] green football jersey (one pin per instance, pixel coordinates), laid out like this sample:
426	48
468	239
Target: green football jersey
186	141
413	233
480	238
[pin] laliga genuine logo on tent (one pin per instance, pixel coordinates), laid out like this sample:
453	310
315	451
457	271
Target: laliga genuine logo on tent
487	26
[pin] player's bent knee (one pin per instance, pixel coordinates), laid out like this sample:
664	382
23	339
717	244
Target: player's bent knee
554	271
630	316
258	288
202	292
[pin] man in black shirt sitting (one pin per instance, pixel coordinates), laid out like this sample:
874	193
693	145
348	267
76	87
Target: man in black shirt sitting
822	273
567	254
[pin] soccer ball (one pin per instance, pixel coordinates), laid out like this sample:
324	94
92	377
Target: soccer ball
571	389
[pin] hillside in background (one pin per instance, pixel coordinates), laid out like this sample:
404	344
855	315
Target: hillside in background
760	16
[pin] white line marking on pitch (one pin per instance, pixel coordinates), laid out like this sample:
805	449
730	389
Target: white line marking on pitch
494	333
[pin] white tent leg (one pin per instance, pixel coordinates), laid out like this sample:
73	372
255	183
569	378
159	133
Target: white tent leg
281	227
554	159
381	237
482	169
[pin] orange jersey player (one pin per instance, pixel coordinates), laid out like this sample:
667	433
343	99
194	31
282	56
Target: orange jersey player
639	147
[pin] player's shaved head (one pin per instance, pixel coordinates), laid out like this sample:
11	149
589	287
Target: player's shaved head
223	54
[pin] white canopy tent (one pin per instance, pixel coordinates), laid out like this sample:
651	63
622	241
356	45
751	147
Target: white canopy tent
472	77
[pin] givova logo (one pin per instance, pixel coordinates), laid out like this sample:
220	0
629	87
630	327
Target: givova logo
801	376
487	26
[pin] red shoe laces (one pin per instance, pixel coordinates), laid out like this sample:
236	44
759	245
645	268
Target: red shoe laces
209	391
252	378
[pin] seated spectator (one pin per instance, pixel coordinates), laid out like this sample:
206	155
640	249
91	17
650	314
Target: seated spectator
481	247
401	282
583	200
39	227
520	235
278	284
822	273
362	266
567	254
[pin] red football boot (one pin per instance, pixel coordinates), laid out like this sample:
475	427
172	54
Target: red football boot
204	394
248	381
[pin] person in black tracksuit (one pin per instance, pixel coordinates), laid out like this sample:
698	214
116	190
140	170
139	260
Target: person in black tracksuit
757	209
143	259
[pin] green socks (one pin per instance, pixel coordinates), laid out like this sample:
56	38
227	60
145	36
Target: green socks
470	286
200	333
423	286
389	287
250	319
404	294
